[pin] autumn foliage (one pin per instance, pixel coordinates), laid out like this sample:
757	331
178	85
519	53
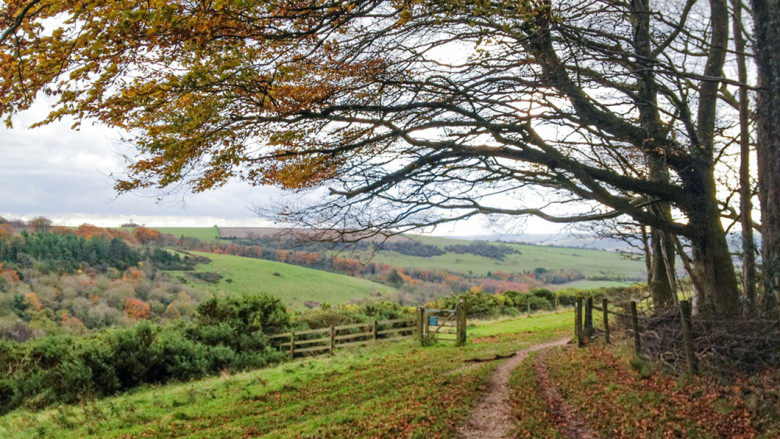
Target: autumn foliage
32	300
145	235
137	309
89	231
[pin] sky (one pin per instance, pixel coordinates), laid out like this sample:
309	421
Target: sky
66	176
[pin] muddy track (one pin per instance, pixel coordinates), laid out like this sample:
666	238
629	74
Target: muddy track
492	416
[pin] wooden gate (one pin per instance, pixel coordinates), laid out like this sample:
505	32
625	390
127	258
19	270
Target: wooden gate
442	324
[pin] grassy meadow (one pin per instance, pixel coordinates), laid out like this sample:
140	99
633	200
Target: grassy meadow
291	283
203	233
388	390
590	262
401	390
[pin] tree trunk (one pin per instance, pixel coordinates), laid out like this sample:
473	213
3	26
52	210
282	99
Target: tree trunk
712	261
715	270
661	285
659	282
745	191
766	16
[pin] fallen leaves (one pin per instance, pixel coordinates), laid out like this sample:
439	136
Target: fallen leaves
621	404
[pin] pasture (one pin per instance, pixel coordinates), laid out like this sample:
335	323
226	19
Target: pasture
293	284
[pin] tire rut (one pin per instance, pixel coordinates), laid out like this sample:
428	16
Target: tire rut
492	417
568	420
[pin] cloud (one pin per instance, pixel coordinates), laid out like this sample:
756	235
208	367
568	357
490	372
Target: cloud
60	173
65	175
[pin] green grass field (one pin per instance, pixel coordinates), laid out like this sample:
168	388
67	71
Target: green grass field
540	323
294	285
207	234
402	390
203	233
388	390
585	284
590	262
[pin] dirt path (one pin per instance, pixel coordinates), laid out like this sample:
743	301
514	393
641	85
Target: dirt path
568	421
492	417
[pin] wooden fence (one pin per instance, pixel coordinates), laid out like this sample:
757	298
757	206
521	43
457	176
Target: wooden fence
583	326
327	340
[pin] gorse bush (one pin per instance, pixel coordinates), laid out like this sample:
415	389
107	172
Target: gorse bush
481	304
229	334
327	315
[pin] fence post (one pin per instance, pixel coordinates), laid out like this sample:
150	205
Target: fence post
690	355
606	320
578	323
589	317
460	311
635	323
374	331
292	345
528	307
420	314
556	301
332	339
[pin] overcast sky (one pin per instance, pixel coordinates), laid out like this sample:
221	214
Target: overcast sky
65	175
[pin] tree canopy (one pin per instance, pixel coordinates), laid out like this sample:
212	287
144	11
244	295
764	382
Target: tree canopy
412	113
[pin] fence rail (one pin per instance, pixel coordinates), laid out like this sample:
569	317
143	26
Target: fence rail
329	339
685	343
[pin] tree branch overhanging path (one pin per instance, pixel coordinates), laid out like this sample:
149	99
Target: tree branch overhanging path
415	114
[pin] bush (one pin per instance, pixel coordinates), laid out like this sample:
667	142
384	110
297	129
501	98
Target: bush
323	318
228	334
535	303
245	312
476	302
545	294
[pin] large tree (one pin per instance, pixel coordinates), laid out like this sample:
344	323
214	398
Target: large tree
413	113
766	15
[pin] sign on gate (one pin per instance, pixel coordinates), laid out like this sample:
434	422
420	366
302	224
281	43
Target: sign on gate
442	324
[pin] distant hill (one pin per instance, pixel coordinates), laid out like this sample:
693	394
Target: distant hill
294	285
556	240
592	263
494	262
273	232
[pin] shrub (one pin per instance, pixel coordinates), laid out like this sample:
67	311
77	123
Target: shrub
228	334
245	312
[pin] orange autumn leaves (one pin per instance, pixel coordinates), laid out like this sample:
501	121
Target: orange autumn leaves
137	309
618	403
208	89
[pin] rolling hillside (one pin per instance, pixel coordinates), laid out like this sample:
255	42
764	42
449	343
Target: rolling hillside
590	262
294	285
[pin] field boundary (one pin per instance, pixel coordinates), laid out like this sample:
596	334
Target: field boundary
327	340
